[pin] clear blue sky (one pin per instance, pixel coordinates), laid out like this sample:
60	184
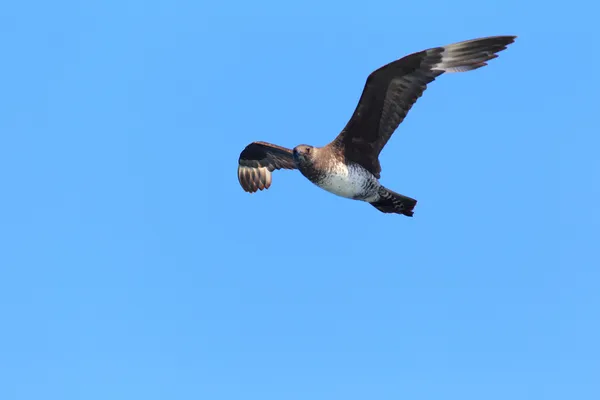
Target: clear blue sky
133	266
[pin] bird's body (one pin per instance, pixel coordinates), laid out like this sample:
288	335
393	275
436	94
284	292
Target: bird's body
349	180
349	165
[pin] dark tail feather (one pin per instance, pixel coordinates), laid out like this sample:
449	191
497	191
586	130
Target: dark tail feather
392	202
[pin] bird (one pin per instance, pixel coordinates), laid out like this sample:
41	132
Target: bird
349	165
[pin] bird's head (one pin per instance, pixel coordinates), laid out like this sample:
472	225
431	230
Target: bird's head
304	152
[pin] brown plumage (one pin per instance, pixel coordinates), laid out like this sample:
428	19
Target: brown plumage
349	165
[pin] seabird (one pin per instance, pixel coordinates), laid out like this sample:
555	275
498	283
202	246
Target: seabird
349	165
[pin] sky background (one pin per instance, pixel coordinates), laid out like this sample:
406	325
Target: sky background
132	265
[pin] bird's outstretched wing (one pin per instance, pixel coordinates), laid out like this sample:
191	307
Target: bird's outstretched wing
391	91
258	160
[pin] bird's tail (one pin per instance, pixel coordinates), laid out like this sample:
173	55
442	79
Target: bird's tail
392	202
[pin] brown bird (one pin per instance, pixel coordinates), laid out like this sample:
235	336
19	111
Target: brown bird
349	165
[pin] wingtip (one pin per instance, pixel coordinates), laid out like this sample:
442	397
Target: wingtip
253	180
510	39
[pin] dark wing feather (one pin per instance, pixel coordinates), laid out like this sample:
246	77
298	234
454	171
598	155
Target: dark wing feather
393	89
258	160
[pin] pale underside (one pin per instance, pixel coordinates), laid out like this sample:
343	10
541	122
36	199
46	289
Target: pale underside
350	181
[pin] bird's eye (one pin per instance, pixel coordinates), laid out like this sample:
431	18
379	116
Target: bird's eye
308	150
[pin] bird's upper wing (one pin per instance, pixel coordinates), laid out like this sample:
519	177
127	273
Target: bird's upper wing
258	160
391	91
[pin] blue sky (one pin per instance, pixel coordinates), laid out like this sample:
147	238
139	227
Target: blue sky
134	266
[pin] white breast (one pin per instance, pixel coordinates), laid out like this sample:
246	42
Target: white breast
345	181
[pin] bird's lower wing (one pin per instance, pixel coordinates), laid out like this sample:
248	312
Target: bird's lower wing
258	160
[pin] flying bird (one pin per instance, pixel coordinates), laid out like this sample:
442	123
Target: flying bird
349	165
